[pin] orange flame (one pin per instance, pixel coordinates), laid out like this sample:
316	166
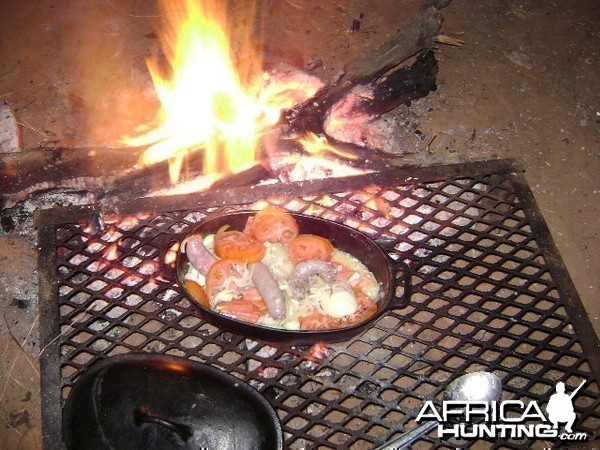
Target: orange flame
213	103
205	104
319	145
111	253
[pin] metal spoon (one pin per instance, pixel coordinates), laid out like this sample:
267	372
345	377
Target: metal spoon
476	386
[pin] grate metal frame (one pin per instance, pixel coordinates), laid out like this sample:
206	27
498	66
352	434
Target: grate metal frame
490	293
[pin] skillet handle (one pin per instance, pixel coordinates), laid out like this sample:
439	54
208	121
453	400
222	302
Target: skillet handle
400	300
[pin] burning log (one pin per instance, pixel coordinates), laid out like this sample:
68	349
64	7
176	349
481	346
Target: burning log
358	118
68	169
149	181
149	178
417	36
398	88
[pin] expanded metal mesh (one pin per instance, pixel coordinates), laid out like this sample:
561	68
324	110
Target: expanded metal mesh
484	299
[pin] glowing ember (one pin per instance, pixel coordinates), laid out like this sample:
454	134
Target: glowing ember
148	268
318	352
111	253
320	163
316	168
379	204
125	223
171	255
129	223
188	187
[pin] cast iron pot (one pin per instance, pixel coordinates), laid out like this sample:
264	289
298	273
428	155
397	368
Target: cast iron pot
150	401
342	237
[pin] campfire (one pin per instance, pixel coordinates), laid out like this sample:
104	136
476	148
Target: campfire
236	114
208	106
454	244
228	116
226	120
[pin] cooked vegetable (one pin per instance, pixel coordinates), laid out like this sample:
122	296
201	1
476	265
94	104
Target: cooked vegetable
366	309
310	246
198	254
341	302
197	292
223	274
249	308
318	321
278	261
269	289
237	245
272	225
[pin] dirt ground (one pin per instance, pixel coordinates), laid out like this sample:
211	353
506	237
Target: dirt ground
524	85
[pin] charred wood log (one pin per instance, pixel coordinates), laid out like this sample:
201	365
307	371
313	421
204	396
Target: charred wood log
400	87
68	169
102	172
360	117
155	178
357	122
150	178
409	41
247	177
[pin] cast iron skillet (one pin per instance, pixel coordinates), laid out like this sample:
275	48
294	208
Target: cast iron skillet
144	401
343	238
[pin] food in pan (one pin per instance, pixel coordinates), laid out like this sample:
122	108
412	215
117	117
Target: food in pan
271	274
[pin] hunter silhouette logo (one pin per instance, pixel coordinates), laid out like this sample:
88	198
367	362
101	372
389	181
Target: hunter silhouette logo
560	407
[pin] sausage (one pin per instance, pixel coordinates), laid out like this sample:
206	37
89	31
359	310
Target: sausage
299	280
269	289
198	254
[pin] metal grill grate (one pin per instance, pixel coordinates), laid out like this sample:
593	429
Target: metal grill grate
490	293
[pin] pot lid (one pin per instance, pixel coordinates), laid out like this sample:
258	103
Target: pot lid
156	401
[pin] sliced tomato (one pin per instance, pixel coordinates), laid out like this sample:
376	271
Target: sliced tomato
238	245
309	246
253	296
241	309
197	292
219	275
272	225
318	321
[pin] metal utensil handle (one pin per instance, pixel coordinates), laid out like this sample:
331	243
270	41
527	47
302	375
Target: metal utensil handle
142	415
409	437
